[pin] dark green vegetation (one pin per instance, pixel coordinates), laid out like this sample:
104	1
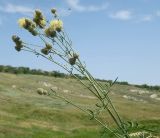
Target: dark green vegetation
25	114
26	70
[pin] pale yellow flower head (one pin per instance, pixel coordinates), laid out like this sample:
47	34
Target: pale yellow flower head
43	22
22	22
56	25
28	24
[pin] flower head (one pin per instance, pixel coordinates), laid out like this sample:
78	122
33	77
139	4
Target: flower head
18	42
56	25
39	19
72	60
50	32
28	25
42	23
22	22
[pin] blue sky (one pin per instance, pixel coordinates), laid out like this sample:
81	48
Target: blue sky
114	37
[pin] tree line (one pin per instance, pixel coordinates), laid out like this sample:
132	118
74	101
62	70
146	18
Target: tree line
27	70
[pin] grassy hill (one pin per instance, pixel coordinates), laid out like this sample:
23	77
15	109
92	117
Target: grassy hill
25	114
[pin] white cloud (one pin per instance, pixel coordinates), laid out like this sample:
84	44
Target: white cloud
75	5
10	8
122	15
147	18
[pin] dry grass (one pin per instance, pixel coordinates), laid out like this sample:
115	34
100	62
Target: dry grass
26	114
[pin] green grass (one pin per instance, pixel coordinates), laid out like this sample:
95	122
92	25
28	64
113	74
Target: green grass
25	114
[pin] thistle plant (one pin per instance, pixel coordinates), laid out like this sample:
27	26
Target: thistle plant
57	48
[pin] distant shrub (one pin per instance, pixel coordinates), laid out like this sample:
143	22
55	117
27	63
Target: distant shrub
26	70
123	83
145	86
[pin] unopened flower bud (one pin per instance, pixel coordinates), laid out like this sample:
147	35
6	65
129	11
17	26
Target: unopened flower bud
39	19
15	38
75	55
72	60
18	42
49	32
18	48
53	11
45	51
38	12
33	31
48	46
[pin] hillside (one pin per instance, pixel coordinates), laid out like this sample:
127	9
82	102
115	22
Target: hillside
25	114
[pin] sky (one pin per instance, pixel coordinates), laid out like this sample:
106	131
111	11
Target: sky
115	38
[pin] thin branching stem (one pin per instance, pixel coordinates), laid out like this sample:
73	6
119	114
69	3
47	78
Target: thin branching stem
84	110
65	52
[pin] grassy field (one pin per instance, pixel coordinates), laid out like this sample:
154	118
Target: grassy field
25	114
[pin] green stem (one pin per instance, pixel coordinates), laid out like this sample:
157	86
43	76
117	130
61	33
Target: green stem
85	111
